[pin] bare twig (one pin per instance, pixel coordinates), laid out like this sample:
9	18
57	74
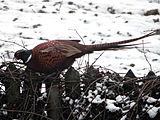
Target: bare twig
27	112
79	36
97	58
60	6
147	58
14	43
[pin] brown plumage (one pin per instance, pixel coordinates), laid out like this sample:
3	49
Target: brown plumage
57	55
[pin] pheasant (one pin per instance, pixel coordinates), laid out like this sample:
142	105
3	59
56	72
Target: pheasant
57	55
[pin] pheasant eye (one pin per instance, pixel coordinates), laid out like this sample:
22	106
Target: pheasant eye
18	54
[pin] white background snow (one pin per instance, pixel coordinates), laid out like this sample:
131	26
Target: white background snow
30	22
24	22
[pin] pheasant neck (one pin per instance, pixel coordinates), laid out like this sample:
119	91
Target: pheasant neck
29	58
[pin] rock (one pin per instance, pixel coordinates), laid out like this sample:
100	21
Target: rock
152	12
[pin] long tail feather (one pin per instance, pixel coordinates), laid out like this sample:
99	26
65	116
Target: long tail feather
119	44
128	46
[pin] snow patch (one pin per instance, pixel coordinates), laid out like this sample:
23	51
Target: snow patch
151	100
110	105
153	112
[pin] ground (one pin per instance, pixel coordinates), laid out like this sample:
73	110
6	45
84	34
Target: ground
29	23
26	23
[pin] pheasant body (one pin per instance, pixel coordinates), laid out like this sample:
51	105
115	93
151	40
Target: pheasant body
57	55
54	55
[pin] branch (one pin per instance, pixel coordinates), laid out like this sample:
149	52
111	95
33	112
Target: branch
14	43
27	112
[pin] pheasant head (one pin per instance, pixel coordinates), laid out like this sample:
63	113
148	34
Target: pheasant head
24	55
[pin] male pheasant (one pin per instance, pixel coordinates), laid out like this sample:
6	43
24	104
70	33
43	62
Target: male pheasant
57	55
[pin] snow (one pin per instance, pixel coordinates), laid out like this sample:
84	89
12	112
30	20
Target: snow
81	117
2	90
91	20
44	95
4	112
98	84
67	98
153	112
121	99
71	101
95	92
43	88
110	105
124	117
132	104
151	100
97	99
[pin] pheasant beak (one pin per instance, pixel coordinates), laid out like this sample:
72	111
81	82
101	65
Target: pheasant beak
14	59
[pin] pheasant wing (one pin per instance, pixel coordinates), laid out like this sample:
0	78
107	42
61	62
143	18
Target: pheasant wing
62	47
